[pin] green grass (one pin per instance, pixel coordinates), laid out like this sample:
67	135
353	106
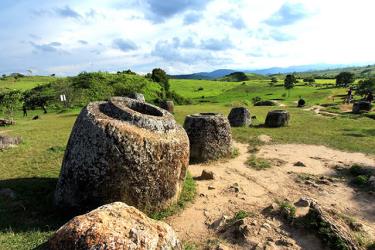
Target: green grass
25	83
258	163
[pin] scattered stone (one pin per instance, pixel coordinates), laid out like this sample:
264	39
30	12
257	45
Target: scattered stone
210	136
311	184
219	222
284	242
206	175
267	226
361	106
277	118
234	188
167	105
9	141
371	182
265	138
222	247
239	117
6	122
299	164
211	187
303	202
323	181
137	96
265	103
8	193
114	226
36	117
123	150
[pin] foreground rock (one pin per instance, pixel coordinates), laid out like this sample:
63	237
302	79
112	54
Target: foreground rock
8	141
210	136
239	117
114	226
361	106
123	150
6	122
277	118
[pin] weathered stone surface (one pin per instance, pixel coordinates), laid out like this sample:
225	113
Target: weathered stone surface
265	103
8	193
123	150
210	136
114	226
8	141
206	175
361	106
6	122
137	96
167	105
277	118
239	117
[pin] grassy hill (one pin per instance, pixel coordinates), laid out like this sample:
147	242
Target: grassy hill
24	83
360	72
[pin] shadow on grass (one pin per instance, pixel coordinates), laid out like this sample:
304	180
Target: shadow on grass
32	209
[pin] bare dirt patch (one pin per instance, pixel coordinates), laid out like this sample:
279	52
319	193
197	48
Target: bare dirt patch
237	187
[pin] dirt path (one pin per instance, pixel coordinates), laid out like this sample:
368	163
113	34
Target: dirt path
258	189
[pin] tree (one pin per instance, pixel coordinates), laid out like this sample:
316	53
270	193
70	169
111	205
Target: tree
273	81
364	86
289	82
9	101
159	76
309	80
344	79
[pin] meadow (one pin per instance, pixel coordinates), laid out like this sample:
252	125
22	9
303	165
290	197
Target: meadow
32	168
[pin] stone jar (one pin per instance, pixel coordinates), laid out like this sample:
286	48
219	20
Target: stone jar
277	118
210	136
239	117
123	150
361	106
114	226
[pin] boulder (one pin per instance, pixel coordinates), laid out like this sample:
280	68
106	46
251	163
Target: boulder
361	106
277	118
239	117
9	141
210	136
167	105
301	103
206	175
137	96
6	122
265	103
114	226
123	150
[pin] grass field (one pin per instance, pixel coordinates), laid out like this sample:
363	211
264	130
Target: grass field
24	83
32	168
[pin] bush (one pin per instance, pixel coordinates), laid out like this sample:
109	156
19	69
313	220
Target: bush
256	99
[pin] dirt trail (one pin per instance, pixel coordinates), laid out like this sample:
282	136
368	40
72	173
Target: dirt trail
258	189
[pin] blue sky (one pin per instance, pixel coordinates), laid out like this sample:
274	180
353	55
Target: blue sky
182	36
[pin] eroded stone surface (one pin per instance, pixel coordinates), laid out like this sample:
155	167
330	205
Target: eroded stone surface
137	96
210	136
8	141
239	116
277	118
114	226
123	150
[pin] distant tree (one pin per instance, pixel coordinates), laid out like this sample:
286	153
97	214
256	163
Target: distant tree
309	80
364	86
159	76
53	75
129	72
344	79
289	82
273	81
236	77
9	101
39	96
3	77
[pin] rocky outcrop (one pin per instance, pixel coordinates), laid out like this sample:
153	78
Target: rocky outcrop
210	136
167	105
239	117
123	150
114	226
137	96
361	106
6	122
277	118
9	141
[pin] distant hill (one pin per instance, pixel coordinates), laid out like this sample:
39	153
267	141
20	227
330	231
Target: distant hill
321	69
241	76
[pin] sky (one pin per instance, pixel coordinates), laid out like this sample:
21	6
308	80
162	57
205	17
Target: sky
66	37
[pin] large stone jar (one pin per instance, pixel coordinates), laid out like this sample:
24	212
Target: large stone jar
239	117
361	106
210	136
277	118
123	150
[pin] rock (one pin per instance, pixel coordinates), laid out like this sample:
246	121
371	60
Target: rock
219	222
222	247
299	164
8	193
6	122
234	188
114	226
265	138
36	117
277	118
303	202
265	103
123	150
206	175
210	136
9	141
211	187
239	117
284	242
371	182
301	103
361	106
137	96
167	105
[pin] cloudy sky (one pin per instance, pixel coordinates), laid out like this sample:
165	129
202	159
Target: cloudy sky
182	36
